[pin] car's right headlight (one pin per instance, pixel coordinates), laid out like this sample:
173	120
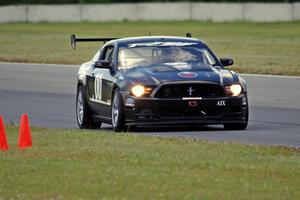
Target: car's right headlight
140	90
233	90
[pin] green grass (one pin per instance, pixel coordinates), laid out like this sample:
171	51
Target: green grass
266	48
75	164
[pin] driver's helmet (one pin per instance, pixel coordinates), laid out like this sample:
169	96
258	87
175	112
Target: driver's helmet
167	55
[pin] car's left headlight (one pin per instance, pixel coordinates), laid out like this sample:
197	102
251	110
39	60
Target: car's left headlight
233	90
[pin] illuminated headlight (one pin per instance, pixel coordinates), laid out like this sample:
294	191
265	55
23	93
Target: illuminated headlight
138	90
233	90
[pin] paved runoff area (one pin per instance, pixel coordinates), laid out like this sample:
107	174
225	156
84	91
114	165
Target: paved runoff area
47	94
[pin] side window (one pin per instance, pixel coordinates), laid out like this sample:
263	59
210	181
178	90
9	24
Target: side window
108	53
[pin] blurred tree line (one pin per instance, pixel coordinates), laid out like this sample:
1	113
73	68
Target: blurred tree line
16	2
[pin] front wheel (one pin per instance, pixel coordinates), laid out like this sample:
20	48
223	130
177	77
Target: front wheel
84	118
117	112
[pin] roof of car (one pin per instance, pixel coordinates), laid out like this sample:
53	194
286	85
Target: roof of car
149	39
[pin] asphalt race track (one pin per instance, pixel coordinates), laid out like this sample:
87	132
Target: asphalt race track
47	94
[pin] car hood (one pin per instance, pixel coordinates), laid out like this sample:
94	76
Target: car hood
156	74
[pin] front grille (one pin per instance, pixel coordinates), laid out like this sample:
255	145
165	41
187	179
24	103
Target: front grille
204	90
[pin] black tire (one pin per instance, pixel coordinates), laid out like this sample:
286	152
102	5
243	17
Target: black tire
83	116
238	126
117	112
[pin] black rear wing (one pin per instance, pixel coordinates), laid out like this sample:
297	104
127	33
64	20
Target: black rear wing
74	40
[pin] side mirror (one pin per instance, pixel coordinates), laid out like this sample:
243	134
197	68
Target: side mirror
226	61
103	64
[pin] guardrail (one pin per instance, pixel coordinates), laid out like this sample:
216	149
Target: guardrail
216	12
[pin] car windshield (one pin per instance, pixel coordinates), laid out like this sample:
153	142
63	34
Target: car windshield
139	55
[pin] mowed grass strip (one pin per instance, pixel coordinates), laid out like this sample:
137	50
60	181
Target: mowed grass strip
265	48
76	164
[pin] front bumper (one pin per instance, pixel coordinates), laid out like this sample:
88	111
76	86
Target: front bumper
154	111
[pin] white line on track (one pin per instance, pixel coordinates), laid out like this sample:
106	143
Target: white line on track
271	76
39	64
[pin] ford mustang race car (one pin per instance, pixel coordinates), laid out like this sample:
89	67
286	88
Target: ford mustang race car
151	81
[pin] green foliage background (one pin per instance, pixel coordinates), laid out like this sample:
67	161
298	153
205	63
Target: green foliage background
12	2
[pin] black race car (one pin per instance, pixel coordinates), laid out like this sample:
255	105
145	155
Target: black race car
148	81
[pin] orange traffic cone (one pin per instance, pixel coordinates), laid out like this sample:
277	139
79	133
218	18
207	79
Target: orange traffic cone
3	141
25	137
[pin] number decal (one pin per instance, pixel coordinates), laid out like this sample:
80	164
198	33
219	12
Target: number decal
98	87
97	97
